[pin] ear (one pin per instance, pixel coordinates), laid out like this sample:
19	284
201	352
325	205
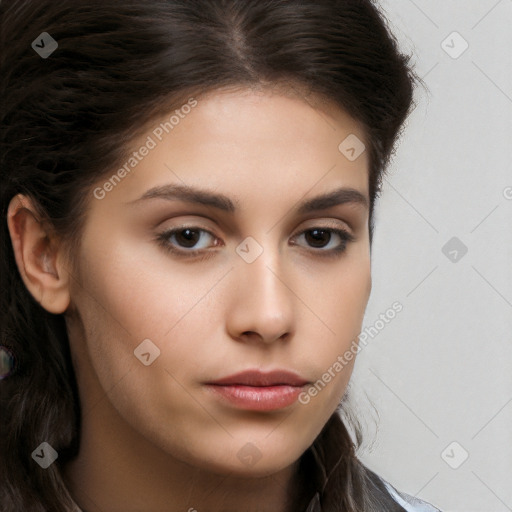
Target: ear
37	255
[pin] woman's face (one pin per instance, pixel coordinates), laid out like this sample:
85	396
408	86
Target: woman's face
202	261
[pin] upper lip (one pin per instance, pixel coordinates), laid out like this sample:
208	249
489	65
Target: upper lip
259	378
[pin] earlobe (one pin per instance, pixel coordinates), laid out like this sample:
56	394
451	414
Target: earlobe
37	256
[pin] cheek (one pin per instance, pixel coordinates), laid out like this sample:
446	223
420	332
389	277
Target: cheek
342	307
345	296
131	296
124	307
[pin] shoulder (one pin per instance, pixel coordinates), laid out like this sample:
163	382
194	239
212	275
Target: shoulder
409	503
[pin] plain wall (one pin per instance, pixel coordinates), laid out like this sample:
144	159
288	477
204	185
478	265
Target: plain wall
440	372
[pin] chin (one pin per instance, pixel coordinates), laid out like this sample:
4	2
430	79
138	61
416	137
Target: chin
246	460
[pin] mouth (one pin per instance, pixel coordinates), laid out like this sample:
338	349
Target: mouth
254	390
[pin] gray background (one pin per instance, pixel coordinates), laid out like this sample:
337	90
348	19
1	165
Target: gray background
440	372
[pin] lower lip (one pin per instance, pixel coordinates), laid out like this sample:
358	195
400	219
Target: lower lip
251	398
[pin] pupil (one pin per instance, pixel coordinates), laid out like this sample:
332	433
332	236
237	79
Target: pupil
190	237
318	235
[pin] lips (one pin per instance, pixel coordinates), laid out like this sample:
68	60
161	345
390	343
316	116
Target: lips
254	390
256	378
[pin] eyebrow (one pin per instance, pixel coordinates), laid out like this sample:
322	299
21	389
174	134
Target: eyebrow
221	202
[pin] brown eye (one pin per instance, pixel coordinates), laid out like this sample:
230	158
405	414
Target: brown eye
317	237
187	240
187	237
326	240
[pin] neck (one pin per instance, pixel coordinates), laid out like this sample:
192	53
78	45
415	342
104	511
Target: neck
117	470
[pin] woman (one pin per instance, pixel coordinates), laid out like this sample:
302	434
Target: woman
188	191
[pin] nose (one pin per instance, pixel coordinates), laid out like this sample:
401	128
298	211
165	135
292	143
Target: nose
262	302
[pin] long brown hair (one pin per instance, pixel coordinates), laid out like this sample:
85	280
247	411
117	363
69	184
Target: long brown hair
67	118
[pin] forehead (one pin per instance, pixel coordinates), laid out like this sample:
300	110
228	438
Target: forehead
274	115
250	144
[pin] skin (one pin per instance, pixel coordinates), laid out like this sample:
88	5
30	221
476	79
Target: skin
153	437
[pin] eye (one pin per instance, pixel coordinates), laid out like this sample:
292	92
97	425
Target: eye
186	240
194	241
328	240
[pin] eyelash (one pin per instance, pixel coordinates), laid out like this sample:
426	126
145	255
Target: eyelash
163	240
